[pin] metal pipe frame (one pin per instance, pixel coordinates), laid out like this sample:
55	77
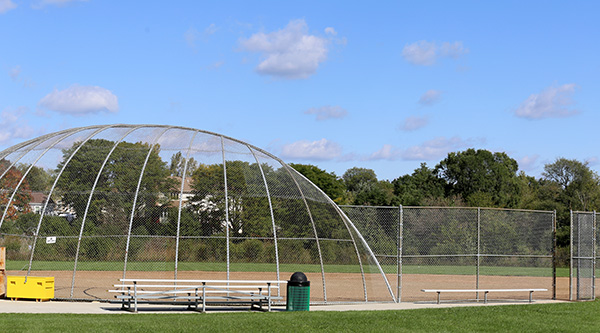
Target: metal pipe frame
52	191
312	222
87	207
262	173
187	158
137	191
226	204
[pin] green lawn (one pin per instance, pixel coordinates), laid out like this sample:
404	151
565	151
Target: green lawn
564	317
307	268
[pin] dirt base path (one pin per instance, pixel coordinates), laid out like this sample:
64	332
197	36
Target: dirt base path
340	287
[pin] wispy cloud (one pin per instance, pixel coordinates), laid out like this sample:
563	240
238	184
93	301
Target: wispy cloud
413	123
14	72
592	161
59	3
552	102
80	100
211	29
437	148
387	152
427	151
430	97
16	75
528	162
427	53
14	125
312	150
330	31
289	53
6	5
192	35
327	112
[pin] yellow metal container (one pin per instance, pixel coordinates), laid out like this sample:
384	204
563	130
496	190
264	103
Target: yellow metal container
38	288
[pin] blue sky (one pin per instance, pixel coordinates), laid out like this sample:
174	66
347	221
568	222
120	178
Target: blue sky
381	85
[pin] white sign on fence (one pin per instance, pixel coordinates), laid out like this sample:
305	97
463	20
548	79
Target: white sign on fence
50	240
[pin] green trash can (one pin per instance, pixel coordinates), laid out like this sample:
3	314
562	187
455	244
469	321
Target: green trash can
298	293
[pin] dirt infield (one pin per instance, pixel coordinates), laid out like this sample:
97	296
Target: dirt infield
340	287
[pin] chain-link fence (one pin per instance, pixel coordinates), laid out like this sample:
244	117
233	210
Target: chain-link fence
460	248
584	243
95	204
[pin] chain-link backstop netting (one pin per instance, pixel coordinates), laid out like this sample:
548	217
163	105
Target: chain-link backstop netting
583	255
460	248
92	205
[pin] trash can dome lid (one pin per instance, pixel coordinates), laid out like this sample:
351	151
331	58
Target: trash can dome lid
298	277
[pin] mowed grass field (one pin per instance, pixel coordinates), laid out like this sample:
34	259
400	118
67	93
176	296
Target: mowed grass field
563	317
17	265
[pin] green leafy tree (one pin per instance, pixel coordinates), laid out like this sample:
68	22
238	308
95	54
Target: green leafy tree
569	185
328	182
118	182
481	177
365	189
359	179
178	164
422	185
39	180
246	206
580	186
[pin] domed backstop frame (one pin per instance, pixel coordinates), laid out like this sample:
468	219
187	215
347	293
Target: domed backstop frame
93	204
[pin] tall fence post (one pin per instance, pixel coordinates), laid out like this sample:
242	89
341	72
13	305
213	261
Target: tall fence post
578	221
594	256
478	250
571	257
399	243
554	255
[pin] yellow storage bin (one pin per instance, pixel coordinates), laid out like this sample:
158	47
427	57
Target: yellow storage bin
38	288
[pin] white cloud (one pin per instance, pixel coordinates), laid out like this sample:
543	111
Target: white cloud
59	3
289	53
217	64
427	53
414	123
80	100
528	162
436	148
14	72
312	150
387	152
6	5
14	125
552	102
430	97
210	30
191	35
330	31
592	161
420	53
328	112
453	50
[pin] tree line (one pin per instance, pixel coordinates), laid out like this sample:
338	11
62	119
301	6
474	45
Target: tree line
470	178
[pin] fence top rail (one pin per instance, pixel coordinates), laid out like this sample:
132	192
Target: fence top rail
453	207
482	208
361	206
479	290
